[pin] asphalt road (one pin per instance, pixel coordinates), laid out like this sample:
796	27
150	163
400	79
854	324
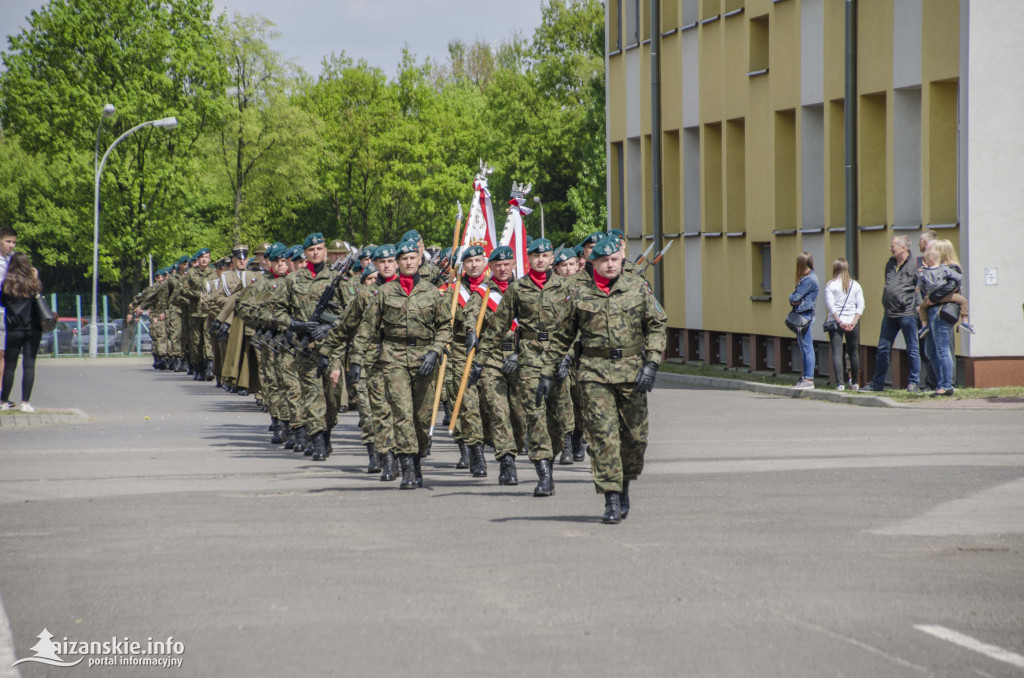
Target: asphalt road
768	537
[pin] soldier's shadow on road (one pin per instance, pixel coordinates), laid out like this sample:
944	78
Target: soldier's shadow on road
245	404
557	519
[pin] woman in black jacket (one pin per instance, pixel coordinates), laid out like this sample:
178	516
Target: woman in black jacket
24	330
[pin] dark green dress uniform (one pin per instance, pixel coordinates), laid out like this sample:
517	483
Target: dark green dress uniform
409	326
620	332
543	340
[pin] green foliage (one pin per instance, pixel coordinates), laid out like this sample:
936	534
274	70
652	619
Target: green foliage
263	151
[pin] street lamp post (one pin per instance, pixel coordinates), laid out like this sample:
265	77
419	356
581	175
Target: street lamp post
167	123
536	199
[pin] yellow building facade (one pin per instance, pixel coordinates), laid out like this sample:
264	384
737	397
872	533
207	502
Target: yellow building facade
752	131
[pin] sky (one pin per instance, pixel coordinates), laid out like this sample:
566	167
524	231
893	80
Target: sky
372	29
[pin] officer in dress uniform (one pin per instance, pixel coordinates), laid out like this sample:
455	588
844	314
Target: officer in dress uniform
620	328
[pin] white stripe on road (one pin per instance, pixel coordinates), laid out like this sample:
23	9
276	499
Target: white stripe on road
972	644
6	647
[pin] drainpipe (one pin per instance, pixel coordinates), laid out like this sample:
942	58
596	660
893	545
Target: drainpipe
850	136
659	279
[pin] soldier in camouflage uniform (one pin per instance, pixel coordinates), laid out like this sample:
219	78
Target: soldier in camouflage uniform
499	390
469	429
537	303
293	309
200	350
155	300
621	331
410	318
428	269
174	321
566	266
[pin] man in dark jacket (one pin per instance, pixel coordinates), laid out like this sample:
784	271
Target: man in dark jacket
899	300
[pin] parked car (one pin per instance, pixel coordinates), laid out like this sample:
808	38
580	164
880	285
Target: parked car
107	335
66	330
142	342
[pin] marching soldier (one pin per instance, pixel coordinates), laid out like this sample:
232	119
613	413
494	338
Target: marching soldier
621	331
239	366
500	390
411	320
428	269
537	303
200	349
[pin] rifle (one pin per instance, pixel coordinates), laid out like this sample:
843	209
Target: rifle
644	254
657	258
341	266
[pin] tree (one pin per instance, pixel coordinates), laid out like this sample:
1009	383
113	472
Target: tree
150	60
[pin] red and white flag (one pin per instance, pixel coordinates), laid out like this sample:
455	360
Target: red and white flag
514	233
480	228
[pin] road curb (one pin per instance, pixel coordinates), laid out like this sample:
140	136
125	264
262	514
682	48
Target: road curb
776	390
69	416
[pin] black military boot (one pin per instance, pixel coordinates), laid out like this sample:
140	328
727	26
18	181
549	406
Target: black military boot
507	472
612	509
243	391
545	484
408	472
477	461
289	441
273	424
197	372
447	415
191	369
417	471
624	499
302	442
316	443
217	381
374	466
279	433
566	458
327	441
426	450
156	362
179	365
578	453
388	472
463	461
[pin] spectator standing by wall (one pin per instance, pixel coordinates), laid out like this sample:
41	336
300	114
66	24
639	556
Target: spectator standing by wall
899	297
24	331
8	241
803	299
844	299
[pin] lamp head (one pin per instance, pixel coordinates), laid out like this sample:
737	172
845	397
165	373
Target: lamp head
536	199
109	110
168	123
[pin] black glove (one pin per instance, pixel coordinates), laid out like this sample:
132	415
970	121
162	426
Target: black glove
311	326
353	372
563	367
215	327
510	364
645	378
223	333
321	366
320	331
297	325
543	389
474	374
470	339
428	364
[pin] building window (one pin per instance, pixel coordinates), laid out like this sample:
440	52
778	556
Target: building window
761	275
615	25
735	175
873	140
691	12
713	178
758	45
691	180
632	12
785	169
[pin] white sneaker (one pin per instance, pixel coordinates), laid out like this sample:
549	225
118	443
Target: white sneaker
804	383
840	387
6	406
852	386
26	407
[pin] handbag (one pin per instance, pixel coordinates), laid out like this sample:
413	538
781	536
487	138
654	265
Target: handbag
796	322
47	318
950	312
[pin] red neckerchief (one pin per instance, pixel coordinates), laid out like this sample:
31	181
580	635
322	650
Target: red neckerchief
274	274
502	285
391	278
604	284
538	278
407	282
312	271
474	282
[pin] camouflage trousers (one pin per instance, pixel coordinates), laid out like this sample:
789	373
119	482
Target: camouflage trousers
507	425
359	400
292	389
378	410
616	425
469	427
174	343
317	412
543	422
412	399
577	400
199	346
271	384
158	331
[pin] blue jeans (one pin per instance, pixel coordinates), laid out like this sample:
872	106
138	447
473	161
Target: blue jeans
806	342
890	328
940	349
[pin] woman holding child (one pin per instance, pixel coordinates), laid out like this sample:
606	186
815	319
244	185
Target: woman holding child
939	281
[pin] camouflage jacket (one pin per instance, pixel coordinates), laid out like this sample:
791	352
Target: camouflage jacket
300	294
407	326
541	314
344	331
618	331
254	306
193	287
508	335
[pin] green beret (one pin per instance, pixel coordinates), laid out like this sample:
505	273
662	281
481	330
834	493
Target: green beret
205	250
296	252
280	244
313	239
563	254
367	252
539	246
605	247
578	250
183	259
472	251
617	232
529	239
387	251
274	252
368	270
407	246
592	238
502	253
413	235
